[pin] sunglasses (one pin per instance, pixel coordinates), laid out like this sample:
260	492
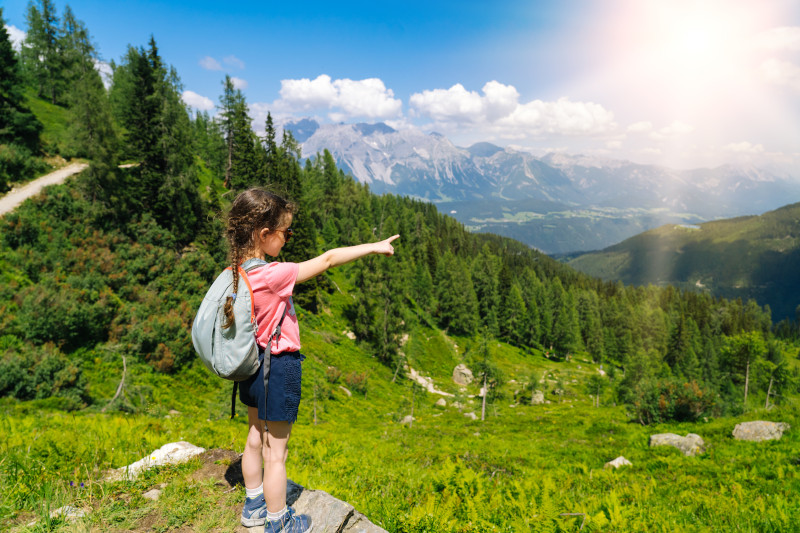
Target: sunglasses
287	233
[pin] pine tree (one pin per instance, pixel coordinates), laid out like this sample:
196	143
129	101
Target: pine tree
146	98
245	162
40	52
17	124
458	306
422	288
485	269
591	325
378	313
682	348
91	130
513	316
19	128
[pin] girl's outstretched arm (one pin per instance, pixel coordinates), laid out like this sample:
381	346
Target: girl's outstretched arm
340	256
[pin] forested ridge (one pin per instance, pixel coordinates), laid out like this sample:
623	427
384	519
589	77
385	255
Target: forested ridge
746	257
118	261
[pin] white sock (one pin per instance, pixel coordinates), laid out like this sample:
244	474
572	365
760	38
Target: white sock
254	493
276	516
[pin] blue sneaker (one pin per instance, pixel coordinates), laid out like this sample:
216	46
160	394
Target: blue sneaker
289	523
254	512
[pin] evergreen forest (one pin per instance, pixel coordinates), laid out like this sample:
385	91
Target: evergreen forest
101	278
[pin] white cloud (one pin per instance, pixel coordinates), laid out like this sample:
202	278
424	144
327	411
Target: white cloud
192	99
455	104
562	117
614	145
233	61
676	129
499	109
459	106
239	83
640	127
209	63
16	36
781	73
344	97
650	151
744	147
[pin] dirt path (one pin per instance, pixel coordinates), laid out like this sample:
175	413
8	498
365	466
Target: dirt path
10	201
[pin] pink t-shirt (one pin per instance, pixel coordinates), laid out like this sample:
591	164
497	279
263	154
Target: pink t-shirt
272	286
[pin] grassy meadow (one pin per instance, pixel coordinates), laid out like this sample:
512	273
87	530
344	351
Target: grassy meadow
524	468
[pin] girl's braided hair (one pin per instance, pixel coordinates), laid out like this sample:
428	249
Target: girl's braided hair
252	211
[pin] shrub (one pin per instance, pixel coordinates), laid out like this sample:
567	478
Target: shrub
671	399
29	373
333	374
17	164
357	381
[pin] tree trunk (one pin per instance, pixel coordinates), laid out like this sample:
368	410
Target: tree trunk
400	358
315	405
483	403
411	424
120	387
746	382
769	390
227	182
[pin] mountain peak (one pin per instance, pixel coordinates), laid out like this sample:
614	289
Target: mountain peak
302	129
484	149
370	129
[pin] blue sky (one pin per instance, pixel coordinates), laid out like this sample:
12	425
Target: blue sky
677	82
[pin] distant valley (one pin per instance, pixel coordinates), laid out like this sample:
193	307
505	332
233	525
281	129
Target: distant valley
747	257
556	203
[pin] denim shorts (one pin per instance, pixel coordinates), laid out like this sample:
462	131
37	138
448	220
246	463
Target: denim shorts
283	395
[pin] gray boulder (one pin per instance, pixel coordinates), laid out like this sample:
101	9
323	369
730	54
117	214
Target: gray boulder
462	375
326	512
691	444
759	430
538	398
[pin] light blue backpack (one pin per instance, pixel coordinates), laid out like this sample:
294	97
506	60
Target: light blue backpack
231	353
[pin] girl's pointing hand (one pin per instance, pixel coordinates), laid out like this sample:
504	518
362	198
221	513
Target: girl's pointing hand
385	246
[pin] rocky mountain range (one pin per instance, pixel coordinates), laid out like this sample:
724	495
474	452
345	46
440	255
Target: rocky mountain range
558	203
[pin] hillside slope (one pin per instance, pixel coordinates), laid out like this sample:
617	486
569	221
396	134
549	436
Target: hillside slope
746	257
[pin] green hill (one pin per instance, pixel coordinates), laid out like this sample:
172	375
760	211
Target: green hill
746	257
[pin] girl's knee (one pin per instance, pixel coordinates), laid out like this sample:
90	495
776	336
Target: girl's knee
275	454
254	438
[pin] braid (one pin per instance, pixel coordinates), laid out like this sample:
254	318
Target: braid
236	261
251	211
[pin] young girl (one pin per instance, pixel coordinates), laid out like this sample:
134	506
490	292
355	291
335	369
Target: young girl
258	226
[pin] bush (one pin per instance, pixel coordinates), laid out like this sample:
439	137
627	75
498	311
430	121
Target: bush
357	381
672	399
29	373
17	164
333	374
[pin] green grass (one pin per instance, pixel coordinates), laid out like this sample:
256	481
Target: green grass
518	470
55	122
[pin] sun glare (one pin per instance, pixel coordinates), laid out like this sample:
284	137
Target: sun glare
692	61
696	39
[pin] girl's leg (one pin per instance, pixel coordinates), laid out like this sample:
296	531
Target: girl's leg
251	458
275	451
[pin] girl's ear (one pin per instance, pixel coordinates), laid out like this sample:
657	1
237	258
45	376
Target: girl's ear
262	234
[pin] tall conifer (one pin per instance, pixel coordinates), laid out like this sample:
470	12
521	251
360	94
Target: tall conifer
17	124
40	52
